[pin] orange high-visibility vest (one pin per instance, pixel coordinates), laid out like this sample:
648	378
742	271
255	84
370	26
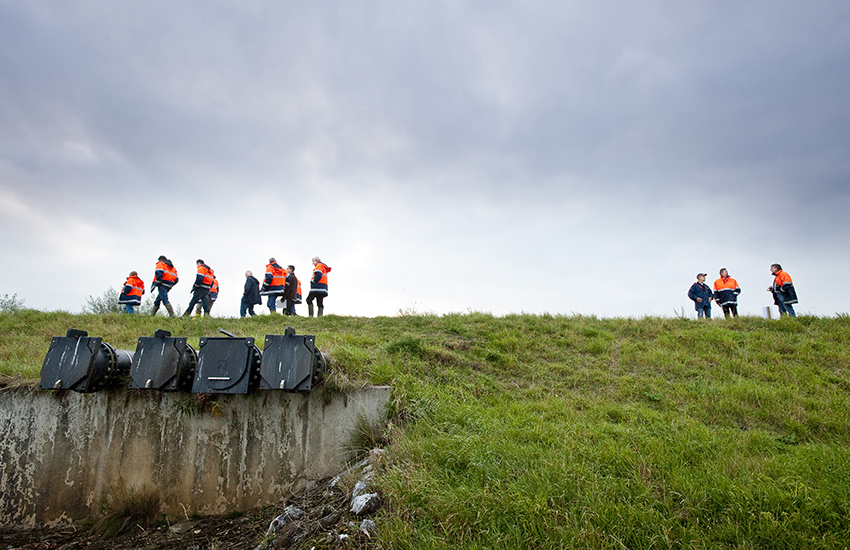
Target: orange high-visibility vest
169	273
209	277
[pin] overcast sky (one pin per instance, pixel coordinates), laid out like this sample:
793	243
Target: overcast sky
570	157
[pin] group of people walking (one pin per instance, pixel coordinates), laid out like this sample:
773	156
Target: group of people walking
726	291
277	283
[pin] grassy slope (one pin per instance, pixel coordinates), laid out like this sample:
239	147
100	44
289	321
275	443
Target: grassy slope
550	432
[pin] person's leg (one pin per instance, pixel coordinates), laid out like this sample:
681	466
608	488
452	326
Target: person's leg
734	309
707	311
128	308
205	303
310	298
242	307
784	309
271	303
700	312
725	311
197	296
320	302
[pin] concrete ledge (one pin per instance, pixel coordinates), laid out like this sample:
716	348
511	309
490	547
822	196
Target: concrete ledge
61	451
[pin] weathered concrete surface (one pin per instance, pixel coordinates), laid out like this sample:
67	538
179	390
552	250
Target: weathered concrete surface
61	451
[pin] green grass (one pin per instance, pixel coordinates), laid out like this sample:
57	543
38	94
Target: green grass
575	432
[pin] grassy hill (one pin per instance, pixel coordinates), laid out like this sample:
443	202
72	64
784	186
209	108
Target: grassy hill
574	432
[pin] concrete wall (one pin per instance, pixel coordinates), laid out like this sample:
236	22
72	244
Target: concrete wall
60	451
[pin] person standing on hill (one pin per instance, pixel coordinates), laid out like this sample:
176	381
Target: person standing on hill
250	295
702	295
274	283
201	288
131	294
726	292
290	292
784	294
318	287
164	277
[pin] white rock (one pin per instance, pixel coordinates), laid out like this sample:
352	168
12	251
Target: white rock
365	504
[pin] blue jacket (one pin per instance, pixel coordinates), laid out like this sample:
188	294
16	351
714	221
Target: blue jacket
700	290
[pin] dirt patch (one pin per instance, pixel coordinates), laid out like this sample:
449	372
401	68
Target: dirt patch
325	518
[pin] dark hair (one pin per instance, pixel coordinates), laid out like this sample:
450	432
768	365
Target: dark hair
162	259
292	267
199	261
722	269
777	266
272	260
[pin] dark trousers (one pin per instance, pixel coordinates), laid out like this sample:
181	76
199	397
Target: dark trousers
162	296
319	299
730	308
201	295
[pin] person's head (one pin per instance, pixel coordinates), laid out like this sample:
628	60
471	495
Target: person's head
701	277
272	260
316	260
775	268
199	262
162	259
290	268
723	272
248	273
134	274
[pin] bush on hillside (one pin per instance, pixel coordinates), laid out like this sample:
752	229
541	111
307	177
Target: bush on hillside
11	303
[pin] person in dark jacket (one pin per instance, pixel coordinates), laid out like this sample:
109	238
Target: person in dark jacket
784	293
250	296
702	295
290	291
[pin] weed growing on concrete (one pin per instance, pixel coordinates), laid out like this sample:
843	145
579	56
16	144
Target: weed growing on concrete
123	508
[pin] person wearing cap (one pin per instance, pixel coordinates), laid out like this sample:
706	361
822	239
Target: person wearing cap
726	292
702	295
784	294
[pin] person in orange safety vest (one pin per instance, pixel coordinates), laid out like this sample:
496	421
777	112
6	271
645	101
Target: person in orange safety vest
131	294
726	292
164	278
784	294
201	289
274	283
318	287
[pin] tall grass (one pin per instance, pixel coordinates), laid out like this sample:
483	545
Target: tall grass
575	432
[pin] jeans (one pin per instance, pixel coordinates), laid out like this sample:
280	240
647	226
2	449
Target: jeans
246	308
271	301
162	296
128	308
784	309
704	311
